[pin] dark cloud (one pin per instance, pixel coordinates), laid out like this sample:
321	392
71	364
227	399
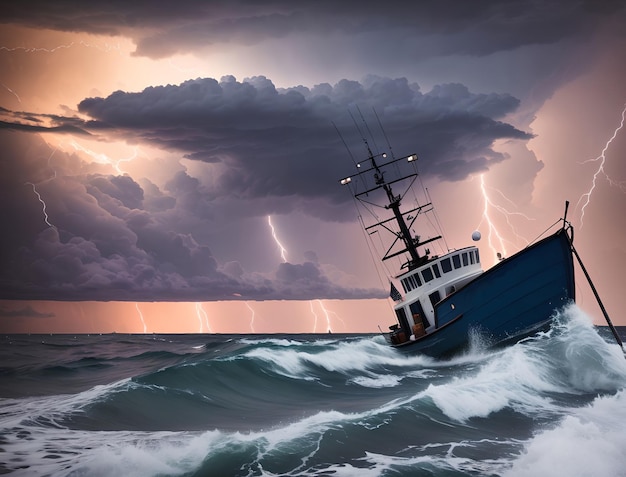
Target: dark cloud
267	142
277	150
100	237
268	150
162	28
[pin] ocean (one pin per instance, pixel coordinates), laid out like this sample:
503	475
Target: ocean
312	405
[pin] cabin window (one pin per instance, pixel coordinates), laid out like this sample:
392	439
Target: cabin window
404	287
457	261
446	265
427	273
435	297
477	256
472	259
436	270
465	261
416	279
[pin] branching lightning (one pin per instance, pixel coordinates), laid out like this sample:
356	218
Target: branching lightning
494	235
103	158
283	250
490	225
143	322
326	314
586	197
202	316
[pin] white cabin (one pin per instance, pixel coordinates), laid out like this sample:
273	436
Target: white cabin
427	285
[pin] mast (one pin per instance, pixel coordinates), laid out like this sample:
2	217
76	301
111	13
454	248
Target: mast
394	205
410	243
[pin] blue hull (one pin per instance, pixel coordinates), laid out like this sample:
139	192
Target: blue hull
512	300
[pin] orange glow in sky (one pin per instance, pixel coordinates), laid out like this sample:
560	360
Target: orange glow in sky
48	73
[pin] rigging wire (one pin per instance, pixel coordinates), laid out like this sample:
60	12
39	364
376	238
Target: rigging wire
367	127
368	240
443	235
345	144
384	133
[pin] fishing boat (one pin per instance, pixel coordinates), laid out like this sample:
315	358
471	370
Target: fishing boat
443	302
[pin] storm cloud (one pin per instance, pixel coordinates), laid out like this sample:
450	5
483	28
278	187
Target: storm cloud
162	28
187	221
111	239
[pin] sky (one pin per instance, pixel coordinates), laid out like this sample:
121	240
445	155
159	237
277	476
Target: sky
174	166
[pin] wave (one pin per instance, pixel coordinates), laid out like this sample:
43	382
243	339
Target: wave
342	406
588	441
537	374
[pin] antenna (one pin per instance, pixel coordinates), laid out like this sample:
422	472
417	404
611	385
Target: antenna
361	133
368	130
345	144
384	133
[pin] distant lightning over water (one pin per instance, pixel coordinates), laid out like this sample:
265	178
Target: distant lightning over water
252	318
327	314
143	322
328	328
283	254
314	315
586	197
202	318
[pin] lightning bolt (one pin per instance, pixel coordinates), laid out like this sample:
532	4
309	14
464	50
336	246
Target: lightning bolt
252	318
103	158
12	92
283	254
283	250
145	328
107	48
43	205
202	316
600	170
494	235
493	231
326	314
315	315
